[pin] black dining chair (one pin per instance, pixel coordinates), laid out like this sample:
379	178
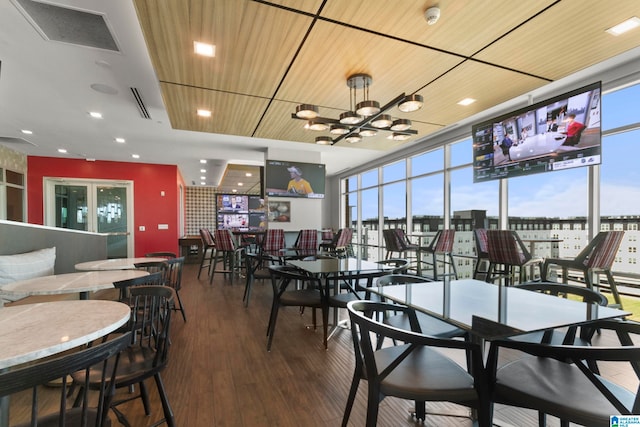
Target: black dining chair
596	258
89	412
556	379
440	252
310	294
173	279
413	368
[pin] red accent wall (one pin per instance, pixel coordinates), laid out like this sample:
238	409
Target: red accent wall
150	208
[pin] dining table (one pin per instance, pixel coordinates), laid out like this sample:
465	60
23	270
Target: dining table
81	282
115	263
33	331
489	311
331	270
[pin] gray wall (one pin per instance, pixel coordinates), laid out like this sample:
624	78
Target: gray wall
71	246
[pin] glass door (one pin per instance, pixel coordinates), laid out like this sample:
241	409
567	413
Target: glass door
95	206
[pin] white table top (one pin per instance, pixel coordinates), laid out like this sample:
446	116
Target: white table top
33	331
115	263
88	281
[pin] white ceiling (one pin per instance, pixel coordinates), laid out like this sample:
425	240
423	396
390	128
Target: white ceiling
45	87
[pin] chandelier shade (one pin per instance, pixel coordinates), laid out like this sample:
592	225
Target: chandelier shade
400	125
306	111
382	121
363	119
411	103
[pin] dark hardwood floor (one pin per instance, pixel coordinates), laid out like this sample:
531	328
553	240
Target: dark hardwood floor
220	373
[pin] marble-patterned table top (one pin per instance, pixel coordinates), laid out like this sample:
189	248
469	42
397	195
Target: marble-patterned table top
87	281
115	263
33	331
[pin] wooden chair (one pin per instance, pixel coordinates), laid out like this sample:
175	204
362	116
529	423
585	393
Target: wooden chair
596	258
167	255
104	356
306	242
310	295
147	353
557	380
414	369
441	245
482	252
227	251
208	251
506	253
173	279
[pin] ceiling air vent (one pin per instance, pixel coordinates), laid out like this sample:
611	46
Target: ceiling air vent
140	103
68	25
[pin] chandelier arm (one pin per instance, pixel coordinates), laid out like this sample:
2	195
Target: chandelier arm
366	123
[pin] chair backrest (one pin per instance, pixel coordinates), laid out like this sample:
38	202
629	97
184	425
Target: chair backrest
400	279
400	264
224	240
391	240
283	275
167	255
327	235
153	267
307	240
444	241
153	279
506	248
34	375
561	289
174	273
344	238
601	251
207	238
151	321
273	240
401	238
482	243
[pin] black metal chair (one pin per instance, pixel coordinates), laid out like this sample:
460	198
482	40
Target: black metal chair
208	251
482	252
556	379
414	369
310	295
104	356
506	253
441	245
173	279
596	258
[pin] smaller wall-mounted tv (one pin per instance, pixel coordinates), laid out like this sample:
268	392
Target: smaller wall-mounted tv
559	133
238	212
294	179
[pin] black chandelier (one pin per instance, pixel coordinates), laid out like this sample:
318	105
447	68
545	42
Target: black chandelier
366	119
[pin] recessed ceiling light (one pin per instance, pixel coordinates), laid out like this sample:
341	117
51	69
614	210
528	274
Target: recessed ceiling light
248	174
120	140
203	161
202	183
204	113
234	191
135	156
624	26
203	171
26	131
467	101
204	49
95	114
240	184
61	150
203	177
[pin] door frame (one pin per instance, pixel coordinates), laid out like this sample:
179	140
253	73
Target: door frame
49	202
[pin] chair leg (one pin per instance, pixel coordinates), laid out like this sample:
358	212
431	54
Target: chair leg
421	412
355	382
166	408
373	401
213	266
272	326
181	307
144	395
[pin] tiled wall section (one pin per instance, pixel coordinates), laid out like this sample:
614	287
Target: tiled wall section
12	160
200	209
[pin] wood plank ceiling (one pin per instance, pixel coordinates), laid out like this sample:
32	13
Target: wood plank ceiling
274	55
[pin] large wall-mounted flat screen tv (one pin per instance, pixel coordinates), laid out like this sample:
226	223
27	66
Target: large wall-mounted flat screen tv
294	179
240	212
559	133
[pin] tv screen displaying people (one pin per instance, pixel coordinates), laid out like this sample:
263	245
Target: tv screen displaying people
295	179
559	133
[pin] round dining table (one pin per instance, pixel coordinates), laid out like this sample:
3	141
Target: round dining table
115	263
34	331
81	282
